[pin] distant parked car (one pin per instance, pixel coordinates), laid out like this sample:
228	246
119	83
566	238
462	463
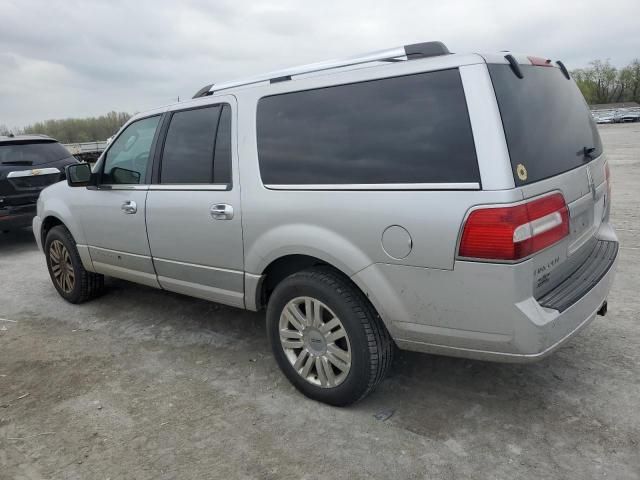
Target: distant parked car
28	163
604	119
629	116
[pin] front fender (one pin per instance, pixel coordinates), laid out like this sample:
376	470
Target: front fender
56	201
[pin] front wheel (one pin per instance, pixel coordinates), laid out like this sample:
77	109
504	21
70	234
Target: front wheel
326	337
72	281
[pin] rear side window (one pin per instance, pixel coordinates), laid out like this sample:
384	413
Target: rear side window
39	153
546	122
410	129
192	139
187	156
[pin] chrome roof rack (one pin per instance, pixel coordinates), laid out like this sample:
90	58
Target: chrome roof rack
414	51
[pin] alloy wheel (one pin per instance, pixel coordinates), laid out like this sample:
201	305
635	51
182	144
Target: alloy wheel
61	266
315	342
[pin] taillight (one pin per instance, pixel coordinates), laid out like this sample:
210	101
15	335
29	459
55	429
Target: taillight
540	62
515	232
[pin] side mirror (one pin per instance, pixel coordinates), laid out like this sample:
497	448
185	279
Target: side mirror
78	175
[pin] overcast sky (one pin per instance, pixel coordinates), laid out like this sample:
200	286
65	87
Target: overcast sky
67	58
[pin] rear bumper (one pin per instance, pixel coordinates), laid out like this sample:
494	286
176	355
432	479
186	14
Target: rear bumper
535	340
14	217
480	311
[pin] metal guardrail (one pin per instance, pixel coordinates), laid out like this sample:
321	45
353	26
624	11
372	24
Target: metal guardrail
86	148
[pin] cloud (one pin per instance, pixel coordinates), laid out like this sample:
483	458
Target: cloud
81	58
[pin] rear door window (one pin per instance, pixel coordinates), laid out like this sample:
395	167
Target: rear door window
402	130
192	139
546	121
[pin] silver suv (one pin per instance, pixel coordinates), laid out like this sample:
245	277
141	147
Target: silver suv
455	204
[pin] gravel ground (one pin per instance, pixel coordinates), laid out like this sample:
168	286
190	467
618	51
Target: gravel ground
151	385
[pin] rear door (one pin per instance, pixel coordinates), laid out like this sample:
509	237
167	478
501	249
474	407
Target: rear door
193	207
554	145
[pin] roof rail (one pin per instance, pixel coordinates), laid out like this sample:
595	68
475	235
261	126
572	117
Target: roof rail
414	51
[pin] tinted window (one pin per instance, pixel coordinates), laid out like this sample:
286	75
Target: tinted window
222	162
127	159
546	121
32	153
411	129
188	149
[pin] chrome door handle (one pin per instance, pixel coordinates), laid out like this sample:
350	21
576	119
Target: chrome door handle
129	207
221	211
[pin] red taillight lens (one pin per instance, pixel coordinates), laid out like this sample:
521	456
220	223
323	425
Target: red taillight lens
515	232
540	62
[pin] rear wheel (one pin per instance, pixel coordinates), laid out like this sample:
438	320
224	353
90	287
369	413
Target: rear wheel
72	281
326	337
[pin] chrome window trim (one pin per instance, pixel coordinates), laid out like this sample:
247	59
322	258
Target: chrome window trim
120	186
380	186
188	187
175	187
30	172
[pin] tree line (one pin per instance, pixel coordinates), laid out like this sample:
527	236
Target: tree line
601	82
76	130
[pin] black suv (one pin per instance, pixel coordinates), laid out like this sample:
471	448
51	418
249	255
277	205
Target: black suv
28	163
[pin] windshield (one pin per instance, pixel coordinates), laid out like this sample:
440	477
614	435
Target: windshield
32	153
547	123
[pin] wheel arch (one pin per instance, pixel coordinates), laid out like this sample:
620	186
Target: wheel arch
48	223
51	220
282	267
284	249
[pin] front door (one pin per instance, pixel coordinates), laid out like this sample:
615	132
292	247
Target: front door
193	207
113	217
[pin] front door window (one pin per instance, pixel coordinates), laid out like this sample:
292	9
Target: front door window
128	157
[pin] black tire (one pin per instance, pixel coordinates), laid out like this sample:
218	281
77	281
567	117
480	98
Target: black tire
86	285
370	343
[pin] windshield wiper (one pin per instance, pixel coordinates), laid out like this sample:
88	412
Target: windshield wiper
17	162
